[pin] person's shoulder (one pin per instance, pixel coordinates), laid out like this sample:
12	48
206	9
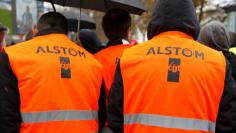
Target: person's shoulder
105	52
137	49
102	52
209	50
210	54
88	56
122	47
94	61
200	47
103	55
111	51
111	48
20	45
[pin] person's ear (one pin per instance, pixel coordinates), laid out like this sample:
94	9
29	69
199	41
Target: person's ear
34	29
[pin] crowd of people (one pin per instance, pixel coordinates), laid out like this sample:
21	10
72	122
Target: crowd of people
182	80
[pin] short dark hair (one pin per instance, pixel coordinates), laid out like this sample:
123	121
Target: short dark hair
116	22
53	20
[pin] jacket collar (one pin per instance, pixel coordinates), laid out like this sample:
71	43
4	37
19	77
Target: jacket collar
50	31
117	40
174	33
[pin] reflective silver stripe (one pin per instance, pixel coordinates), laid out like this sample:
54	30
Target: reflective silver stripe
59	115
170	122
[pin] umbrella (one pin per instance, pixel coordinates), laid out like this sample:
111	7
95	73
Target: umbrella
132	6
73	15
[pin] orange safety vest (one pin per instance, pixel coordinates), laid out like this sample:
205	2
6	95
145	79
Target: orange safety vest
172	84
59	85
109	58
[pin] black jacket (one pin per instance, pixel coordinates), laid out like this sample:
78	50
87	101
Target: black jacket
10	118
174	15
232	60
9	98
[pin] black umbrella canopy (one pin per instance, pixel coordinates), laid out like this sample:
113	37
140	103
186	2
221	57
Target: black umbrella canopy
132	6
74	15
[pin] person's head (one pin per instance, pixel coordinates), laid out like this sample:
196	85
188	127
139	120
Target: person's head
116	22
90	41
215	35
53	21
27	8
174	15
2	34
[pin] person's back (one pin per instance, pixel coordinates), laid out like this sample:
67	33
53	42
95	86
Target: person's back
116	26
59	83
109	57
171	83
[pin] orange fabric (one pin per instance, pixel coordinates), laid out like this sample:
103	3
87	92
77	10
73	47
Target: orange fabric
109	58
196	95
150	129
37	66
55	127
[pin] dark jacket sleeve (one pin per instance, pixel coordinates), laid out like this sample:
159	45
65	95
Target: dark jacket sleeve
233	63
232	59
9	98
116	103
102	108
226	120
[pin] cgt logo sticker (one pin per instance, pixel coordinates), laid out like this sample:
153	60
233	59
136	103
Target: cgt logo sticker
65	67
174	70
